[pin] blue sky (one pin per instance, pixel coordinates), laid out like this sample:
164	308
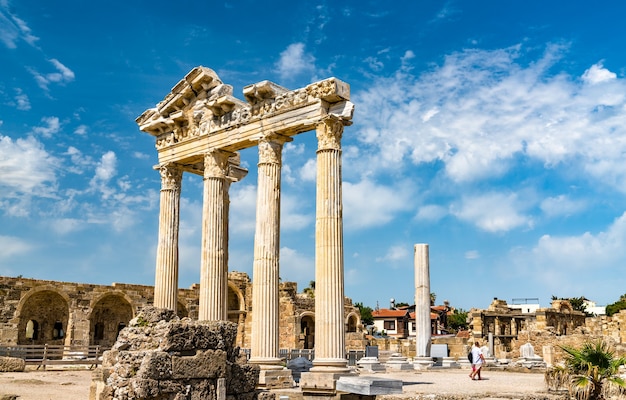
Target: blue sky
494	131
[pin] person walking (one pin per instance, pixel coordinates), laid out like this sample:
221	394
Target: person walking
477	362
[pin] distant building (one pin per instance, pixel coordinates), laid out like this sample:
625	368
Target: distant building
525	305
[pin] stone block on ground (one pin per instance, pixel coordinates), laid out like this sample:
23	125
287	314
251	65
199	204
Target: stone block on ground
12	364
368	385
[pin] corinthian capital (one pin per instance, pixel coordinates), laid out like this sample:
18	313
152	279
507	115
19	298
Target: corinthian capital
270	148
216	163
171	176
329	132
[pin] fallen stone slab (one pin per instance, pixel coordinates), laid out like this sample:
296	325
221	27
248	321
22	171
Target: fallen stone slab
12	364
369	385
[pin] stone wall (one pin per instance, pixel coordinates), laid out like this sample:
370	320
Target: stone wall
51	312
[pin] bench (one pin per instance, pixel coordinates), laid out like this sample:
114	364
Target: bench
46	354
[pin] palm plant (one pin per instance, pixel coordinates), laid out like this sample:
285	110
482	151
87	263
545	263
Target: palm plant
589	373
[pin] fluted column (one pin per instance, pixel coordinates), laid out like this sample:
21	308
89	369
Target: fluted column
166	279
265	281
214	259
330	337
422	300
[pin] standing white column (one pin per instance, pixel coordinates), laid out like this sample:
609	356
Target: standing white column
214	259
422	301
265	280
166	280
330	336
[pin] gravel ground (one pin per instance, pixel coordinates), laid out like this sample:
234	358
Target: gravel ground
74	385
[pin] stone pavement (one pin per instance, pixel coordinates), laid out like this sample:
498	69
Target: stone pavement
456	384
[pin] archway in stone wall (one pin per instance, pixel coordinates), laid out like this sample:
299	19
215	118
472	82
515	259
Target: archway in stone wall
235	301
307	330
109	315
352	322
43	318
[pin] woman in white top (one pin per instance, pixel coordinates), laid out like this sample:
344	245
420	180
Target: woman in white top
477	361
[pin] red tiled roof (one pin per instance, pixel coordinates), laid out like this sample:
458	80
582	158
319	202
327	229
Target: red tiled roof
432	315
385	312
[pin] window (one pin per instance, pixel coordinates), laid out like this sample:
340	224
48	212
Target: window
390	325
57	330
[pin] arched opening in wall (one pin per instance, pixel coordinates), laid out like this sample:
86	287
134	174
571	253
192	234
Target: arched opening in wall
352	323
32	330
233	305
307	331
109	316
47	313
181	310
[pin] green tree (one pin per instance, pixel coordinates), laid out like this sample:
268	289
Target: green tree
458	320
617	306
366	314
589	373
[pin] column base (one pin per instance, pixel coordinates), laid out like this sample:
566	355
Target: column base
275	379
316	383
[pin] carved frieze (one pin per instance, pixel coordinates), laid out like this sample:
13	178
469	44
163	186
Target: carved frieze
201	105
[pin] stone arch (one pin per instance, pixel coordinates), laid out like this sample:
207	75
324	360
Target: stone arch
110	313
236	303
307	329
45	310
352	322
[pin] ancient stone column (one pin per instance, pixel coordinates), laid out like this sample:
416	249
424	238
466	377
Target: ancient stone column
330	336
214	258
265	281
422	300
265	274
166	280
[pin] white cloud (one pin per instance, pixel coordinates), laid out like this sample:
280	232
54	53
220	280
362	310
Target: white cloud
292	216
62	75
26	168
52	126
480	111
13	246
395	253
13	28
294	61
575	265
308	172
296	267
106	169
242	208
367	204
472	255
81	130
21	100
493	212
431	212
597	74
561	205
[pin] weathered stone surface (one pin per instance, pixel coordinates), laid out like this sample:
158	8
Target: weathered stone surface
206	364
156	365
12	364
242	378
190	335
180	359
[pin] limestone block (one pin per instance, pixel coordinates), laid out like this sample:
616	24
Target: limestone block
207	364
156	365
185	336
369	385
242	379
12	364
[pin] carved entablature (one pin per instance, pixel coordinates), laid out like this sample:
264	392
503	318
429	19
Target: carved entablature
201	105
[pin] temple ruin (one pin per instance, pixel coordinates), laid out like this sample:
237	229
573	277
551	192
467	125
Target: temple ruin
199	127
